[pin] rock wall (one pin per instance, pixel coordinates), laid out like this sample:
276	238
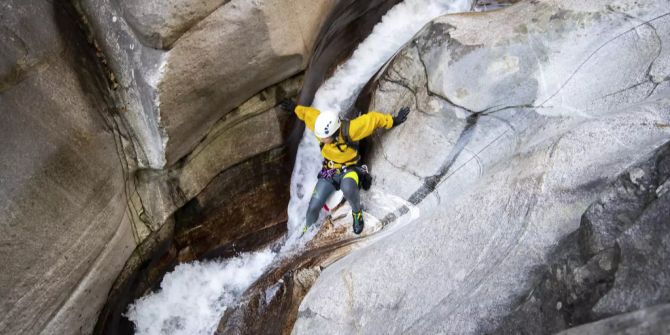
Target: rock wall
66	229
229	193
114	115
179	72
513	136
587	279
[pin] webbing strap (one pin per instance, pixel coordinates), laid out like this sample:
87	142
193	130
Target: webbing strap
345	133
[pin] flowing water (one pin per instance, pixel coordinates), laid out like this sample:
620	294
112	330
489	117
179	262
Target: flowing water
193	297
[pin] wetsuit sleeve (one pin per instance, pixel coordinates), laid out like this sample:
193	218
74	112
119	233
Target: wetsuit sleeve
364	125
308	115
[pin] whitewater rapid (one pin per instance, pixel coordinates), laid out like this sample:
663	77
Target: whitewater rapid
193	298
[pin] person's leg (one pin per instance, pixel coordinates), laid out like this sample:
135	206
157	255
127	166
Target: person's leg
349	186
322	191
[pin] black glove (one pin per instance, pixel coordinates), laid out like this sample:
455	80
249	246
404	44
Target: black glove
288	105
401	117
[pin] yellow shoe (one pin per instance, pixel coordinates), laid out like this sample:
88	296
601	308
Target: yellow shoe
304	230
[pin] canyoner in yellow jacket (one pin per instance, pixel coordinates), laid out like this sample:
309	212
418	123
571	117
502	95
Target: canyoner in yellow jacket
339	148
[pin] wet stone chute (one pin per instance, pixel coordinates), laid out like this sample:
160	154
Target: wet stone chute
194	296
338	93
566	103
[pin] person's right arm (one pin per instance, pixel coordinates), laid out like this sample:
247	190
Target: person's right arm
308	115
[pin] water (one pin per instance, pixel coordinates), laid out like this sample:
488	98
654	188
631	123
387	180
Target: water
339	92
193	297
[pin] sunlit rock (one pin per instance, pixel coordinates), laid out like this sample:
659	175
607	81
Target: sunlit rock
225	52
513	135
65	229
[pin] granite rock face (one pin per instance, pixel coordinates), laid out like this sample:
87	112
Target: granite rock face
215	56
513	137
158	24
96	98
580	286
653	320
66	230
642	278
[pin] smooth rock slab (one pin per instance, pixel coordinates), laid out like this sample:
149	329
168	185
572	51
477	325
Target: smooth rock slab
513	180
65	228
160	23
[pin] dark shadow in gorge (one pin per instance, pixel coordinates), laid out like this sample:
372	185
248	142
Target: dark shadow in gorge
242	209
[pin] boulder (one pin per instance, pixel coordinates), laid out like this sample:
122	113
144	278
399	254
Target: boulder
512	137
642	278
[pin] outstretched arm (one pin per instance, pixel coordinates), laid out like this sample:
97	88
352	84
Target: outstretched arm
304	113
307	114
364	125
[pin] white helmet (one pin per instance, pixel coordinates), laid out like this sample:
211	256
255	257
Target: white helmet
326	125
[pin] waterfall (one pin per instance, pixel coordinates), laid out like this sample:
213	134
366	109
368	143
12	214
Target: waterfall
194	297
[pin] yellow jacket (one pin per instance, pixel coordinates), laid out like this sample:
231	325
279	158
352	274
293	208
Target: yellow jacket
359	128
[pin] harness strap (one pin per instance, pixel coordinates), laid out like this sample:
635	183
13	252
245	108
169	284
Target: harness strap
335	165
344	129
345	134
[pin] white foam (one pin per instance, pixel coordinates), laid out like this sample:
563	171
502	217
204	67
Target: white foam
397	27
194	297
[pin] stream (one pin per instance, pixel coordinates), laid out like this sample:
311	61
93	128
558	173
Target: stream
199	297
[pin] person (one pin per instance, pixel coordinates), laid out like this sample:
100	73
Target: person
339	148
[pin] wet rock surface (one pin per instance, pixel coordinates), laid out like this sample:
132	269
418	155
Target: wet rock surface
229	194
86	189
270	305
518	134
117	140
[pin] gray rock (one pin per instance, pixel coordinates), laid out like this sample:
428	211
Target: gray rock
643	277
517	133
65	229
23	43
173	97
158	24
619	207
618	278
253	128
648	321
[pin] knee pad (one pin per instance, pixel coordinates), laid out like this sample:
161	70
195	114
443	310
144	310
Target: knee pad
353	175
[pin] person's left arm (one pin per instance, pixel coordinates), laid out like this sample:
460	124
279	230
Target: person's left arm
364	125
